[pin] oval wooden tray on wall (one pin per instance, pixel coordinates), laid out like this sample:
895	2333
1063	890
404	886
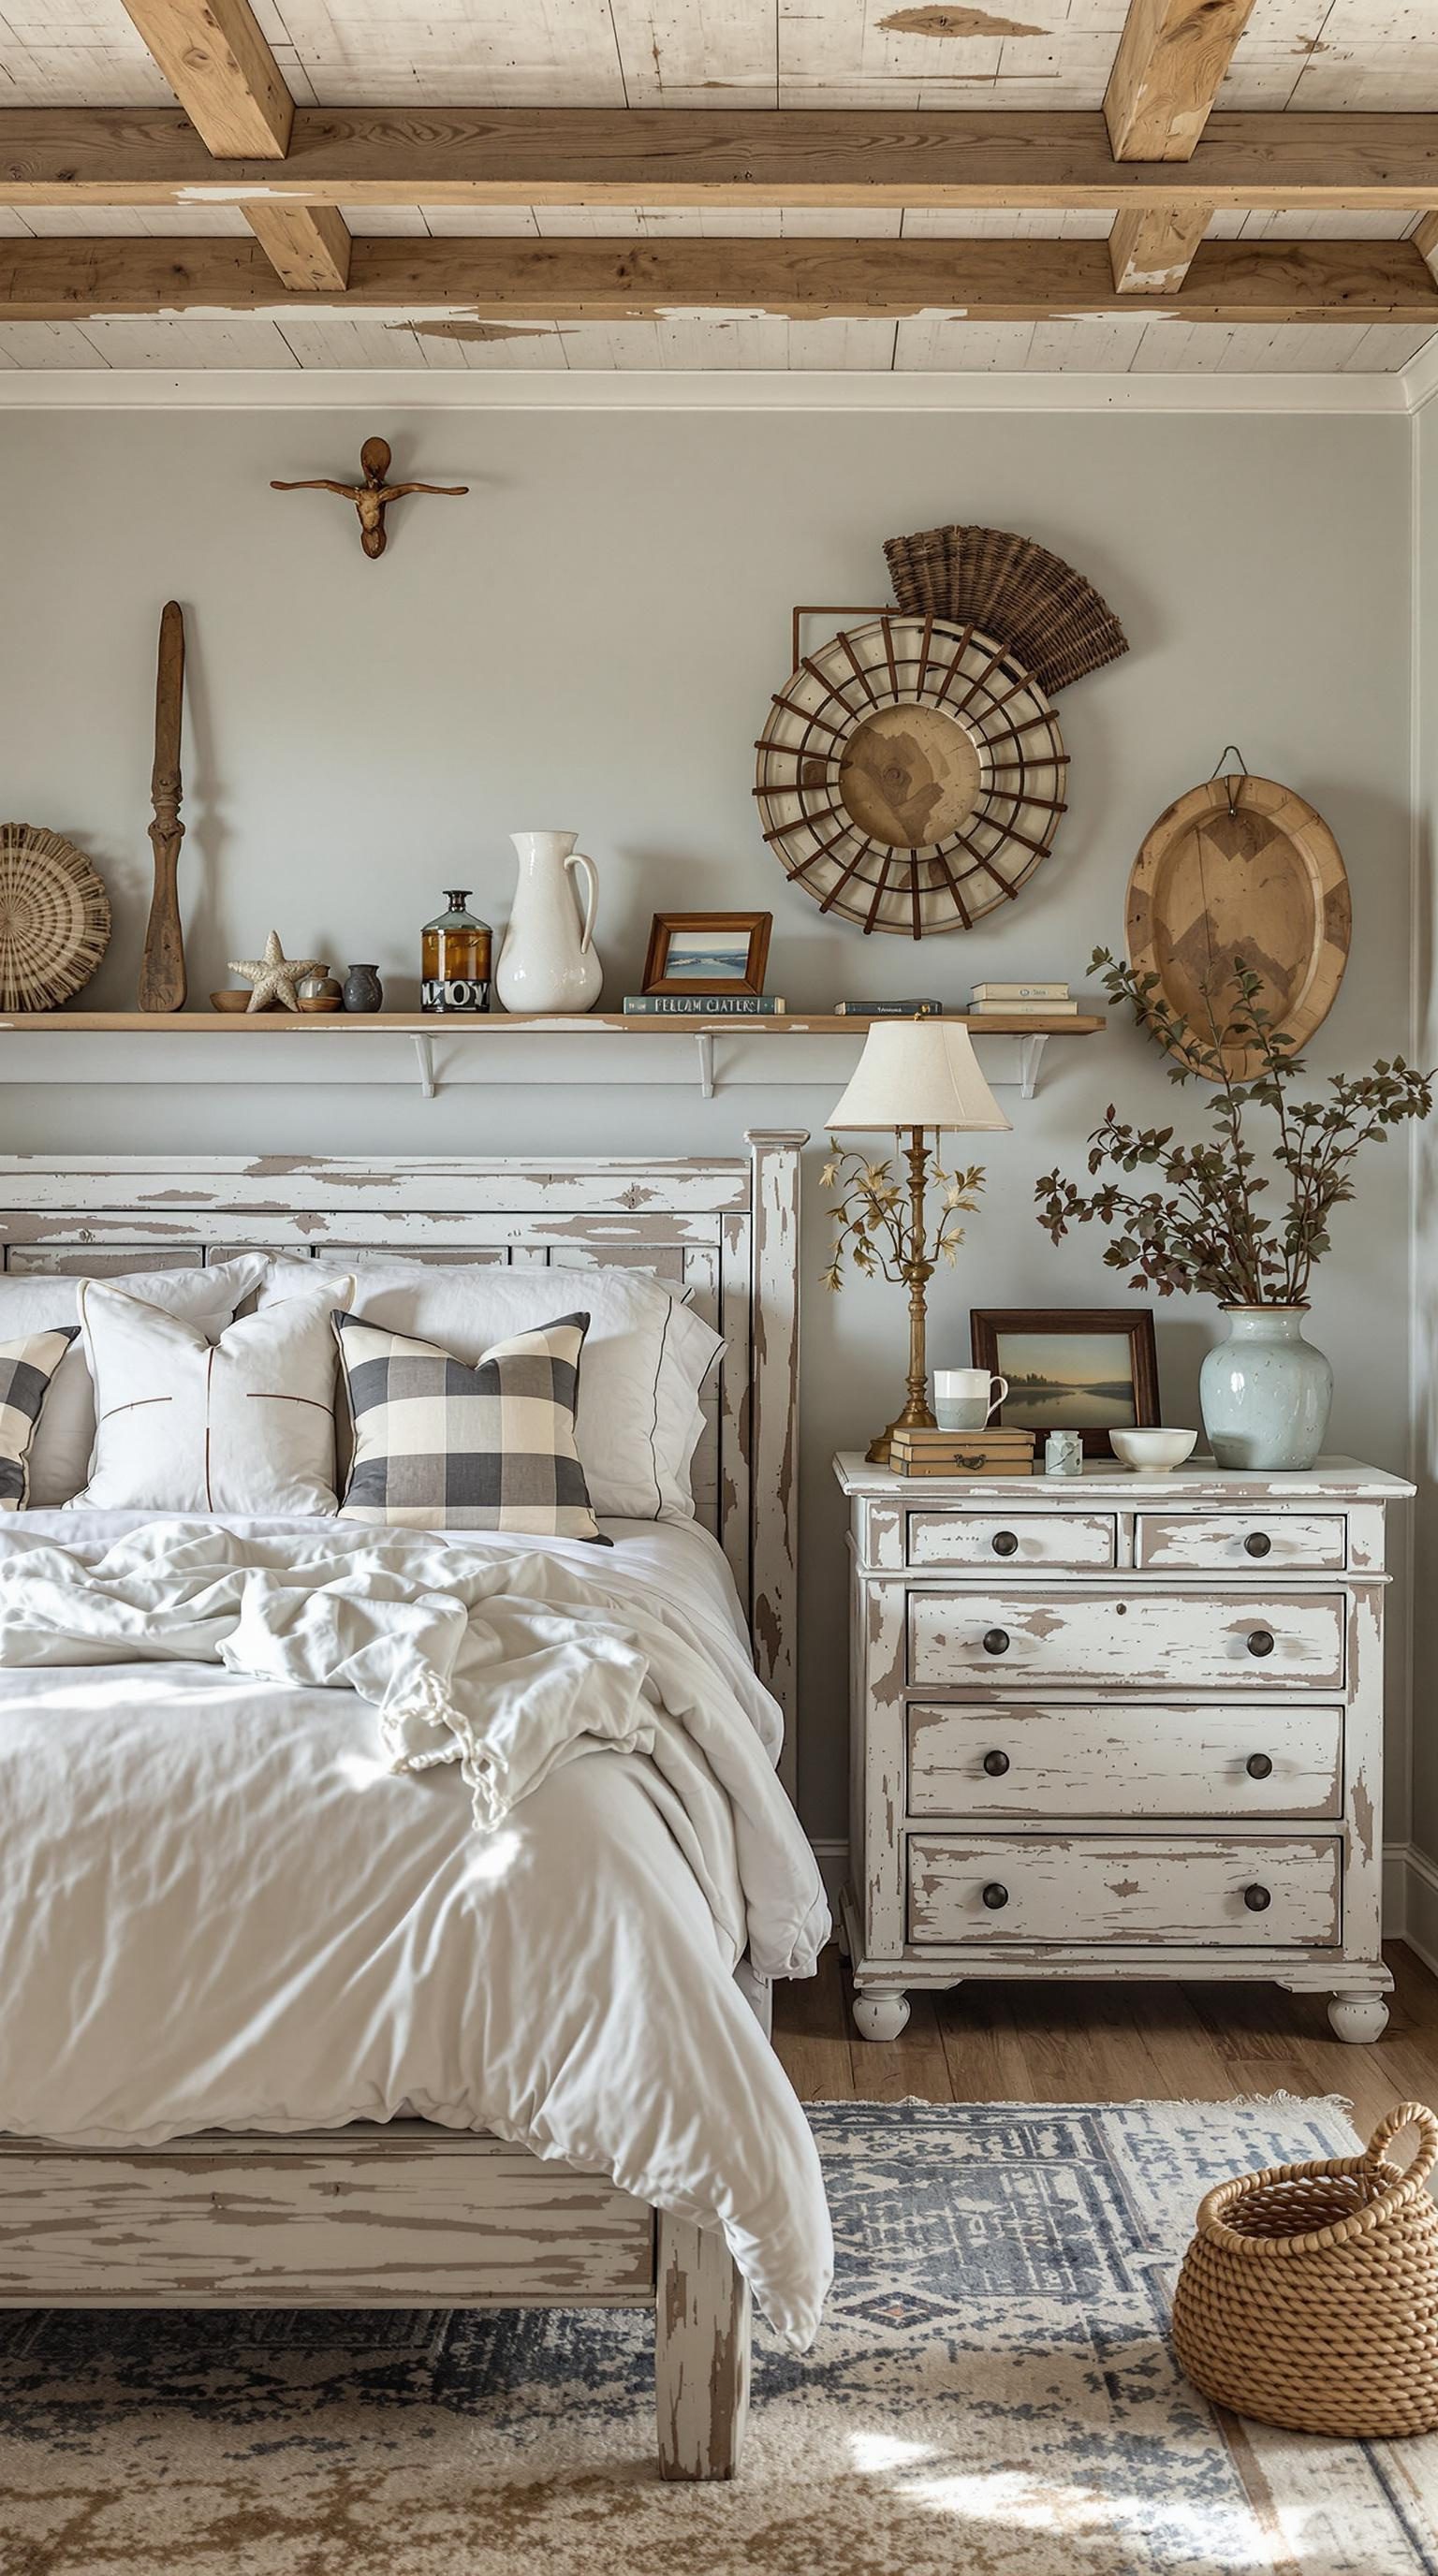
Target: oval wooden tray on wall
1242	867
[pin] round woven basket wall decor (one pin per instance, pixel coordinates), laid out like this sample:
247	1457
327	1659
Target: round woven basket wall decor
54	919
1242	867
911	776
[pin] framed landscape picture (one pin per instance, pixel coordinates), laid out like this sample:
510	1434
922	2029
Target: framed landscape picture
708	952
1091	1369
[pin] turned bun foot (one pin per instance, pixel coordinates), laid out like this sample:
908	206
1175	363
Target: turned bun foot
1362	2018
880	2016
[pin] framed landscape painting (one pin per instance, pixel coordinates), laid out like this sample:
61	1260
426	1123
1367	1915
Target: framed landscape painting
1089	1369
708	952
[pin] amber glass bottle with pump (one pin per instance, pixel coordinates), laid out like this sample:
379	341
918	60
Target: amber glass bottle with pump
454	960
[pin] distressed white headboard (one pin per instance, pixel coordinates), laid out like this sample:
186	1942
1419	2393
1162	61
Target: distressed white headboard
728	1228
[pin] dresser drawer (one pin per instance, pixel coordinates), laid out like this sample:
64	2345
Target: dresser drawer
1230	1759
1241	1542
1000	1640
1280	1894
1083	1539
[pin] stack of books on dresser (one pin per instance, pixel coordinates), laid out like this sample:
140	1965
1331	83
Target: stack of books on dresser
991	1452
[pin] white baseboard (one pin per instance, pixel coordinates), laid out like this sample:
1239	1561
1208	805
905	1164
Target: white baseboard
1410	1893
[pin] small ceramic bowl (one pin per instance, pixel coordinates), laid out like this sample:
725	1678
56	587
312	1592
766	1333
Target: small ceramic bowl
235	997
1153	1451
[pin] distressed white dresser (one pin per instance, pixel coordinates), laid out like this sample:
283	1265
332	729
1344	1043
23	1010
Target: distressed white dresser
1125	1726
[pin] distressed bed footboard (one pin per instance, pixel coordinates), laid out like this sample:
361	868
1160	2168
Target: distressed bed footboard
394	2217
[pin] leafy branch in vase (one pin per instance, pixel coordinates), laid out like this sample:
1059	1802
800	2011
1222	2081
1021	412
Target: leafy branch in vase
1223	1219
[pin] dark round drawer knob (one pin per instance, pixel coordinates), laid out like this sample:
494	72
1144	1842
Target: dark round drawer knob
1258	1543
996	1641
996	1897
1259	1766
1257	1899
996	1764
1005	1543
1260	1641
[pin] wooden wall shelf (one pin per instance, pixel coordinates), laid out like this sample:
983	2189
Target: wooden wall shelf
424	1030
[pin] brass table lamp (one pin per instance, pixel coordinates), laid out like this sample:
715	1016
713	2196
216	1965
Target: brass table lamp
916	1077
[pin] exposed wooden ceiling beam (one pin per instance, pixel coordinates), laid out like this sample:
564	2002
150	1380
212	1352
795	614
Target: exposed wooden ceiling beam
1167	72
308	247
677	157
221	70
1425	242
576	280
216	60
1151	248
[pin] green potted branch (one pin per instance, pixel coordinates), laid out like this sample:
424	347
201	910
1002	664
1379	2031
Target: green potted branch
1229	1220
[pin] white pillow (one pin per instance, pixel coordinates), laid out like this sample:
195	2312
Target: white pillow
243	1426
646	1357
60	1454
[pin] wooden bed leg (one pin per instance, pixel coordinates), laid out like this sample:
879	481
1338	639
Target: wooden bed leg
701	2353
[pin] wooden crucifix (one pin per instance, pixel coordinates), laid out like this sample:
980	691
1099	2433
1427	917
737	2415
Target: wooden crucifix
373	496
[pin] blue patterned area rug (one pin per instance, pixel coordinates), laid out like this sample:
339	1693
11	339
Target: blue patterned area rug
993	2393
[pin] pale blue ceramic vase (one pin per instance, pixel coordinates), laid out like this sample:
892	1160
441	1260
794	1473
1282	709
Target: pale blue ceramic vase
1265	1391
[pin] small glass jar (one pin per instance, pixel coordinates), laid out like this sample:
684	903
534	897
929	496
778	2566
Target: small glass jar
454	960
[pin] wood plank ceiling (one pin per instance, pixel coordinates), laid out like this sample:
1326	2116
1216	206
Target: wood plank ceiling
850	184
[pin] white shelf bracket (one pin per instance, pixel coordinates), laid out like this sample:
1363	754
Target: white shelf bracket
1031	1056
705	1041
424	1058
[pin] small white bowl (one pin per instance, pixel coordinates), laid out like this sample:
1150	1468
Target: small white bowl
1153	1451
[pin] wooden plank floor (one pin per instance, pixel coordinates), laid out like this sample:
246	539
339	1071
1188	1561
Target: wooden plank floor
1059	2041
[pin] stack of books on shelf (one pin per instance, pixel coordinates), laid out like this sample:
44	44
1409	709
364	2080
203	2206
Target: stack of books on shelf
990	1452
1022	1002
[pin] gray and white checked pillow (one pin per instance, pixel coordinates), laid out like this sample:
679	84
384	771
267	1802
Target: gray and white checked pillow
27	1368
442	1445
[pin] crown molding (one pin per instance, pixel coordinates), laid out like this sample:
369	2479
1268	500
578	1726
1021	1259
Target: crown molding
752	390
1419	379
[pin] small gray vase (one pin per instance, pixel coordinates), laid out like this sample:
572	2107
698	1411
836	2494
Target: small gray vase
1265	1391
363	990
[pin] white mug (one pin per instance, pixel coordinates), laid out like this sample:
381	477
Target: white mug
963	1398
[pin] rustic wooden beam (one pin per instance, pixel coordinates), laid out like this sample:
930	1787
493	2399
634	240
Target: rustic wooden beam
222	71
675	157
1425	242
1151	248
308	247
1167	72
576	280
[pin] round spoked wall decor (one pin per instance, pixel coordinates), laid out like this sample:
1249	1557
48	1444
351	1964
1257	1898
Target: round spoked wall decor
911	775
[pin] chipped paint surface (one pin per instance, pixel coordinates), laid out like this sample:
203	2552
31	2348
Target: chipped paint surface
1192	1889
940	21
376	2221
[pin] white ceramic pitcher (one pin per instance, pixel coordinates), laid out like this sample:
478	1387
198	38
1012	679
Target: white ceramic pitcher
547	963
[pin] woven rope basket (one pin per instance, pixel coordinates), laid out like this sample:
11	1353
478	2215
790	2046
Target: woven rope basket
1309	2295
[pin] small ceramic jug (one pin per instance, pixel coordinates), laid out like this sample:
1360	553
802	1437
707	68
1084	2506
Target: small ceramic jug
547	963
1063	1453
363	990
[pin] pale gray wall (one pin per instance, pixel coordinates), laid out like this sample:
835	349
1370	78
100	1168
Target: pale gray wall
590	641
1424	1896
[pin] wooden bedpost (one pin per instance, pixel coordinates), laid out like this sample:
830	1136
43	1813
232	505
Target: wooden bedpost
701	2353
774	1442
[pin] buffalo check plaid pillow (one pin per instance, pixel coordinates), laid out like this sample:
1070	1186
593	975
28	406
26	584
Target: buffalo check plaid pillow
26	1370
441	1445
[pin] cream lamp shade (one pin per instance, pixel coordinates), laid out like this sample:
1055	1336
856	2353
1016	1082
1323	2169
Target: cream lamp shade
918	1073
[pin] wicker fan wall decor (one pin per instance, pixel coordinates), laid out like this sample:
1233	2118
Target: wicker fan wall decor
54	919
1052	620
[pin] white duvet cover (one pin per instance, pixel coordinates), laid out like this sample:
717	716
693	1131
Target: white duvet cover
222	1907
